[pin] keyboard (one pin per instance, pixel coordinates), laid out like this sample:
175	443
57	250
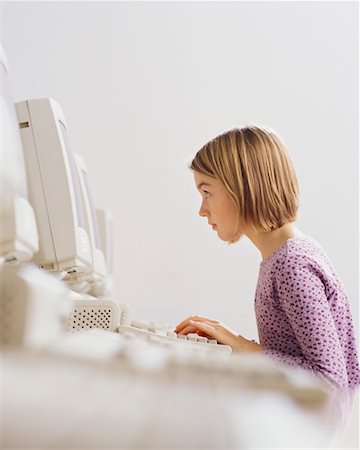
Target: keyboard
168	337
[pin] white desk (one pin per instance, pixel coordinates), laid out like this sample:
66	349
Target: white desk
61	401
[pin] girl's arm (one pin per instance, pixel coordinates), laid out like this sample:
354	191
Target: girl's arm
302	296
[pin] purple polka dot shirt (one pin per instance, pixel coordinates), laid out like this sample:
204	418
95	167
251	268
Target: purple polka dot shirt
303	313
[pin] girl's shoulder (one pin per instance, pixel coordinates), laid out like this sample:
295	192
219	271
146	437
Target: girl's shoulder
306	247
298	251
300	246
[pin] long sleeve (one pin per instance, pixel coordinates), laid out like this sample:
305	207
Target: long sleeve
303	314
302	295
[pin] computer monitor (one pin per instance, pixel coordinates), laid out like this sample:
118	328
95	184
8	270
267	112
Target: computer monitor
105	228
18	232
54	188
98	273
32	309
99	312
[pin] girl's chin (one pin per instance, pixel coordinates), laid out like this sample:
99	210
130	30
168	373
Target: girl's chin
235	238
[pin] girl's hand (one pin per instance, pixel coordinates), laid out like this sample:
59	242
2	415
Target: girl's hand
216	330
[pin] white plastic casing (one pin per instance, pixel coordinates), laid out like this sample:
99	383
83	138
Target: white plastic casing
96	275
87	313
18	233
105	228
54	190
33	308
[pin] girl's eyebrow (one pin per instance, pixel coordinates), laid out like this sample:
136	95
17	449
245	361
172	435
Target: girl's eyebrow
203	184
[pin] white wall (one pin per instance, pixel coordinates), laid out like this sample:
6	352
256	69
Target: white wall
145	85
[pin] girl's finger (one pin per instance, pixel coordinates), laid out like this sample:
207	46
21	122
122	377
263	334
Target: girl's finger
205	319
188	329
182	324
205	328
185	322
202	334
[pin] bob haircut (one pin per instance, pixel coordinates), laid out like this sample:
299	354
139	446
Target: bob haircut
253	164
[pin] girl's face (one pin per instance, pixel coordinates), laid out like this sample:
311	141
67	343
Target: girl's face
218	207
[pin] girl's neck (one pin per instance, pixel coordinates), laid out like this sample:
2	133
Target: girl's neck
268	242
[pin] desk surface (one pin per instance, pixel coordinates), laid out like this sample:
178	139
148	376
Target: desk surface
63	401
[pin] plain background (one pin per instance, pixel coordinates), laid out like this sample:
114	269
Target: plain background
143	85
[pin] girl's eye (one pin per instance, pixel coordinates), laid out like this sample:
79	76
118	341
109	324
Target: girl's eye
206	194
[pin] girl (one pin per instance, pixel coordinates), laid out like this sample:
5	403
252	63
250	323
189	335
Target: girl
249	187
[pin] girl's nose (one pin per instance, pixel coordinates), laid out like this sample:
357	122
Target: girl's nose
203	212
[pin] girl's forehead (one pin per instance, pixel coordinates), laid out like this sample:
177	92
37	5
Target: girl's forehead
200	178
206	182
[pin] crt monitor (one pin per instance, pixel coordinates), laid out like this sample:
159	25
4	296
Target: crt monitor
18	233
54	188
97	275
105	228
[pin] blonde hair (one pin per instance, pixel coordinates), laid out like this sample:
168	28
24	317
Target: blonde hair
253	164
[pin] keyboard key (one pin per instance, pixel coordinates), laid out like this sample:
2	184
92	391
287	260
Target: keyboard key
171	334
192	337
181	336
140	325
170	338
